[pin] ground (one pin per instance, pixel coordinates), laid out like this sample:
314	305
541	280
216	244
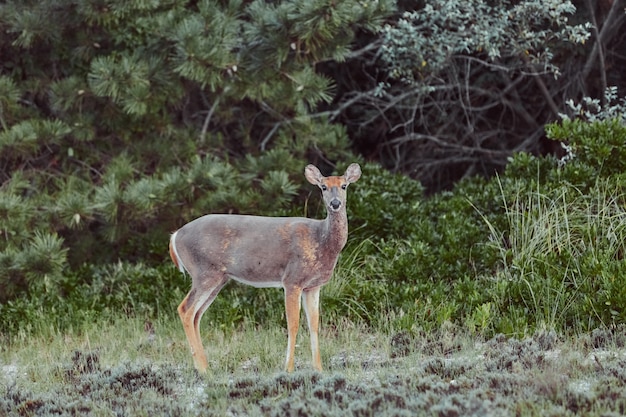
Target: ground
443	374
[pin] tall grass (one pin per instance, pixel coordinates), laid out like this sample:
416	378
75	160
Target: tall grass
356	290
561	254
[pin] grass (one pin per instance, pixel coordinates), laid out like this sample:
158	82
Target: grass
561	257
122	368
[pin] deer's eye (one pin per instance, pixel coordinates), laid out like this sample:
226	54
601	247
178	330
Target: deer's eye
324	188
344	186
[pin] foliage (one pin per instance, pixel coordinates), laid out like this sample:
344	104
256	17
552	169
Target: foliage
594	141
452	88
562	251
611	106
563	256
539	247
120	122
425	41
385	205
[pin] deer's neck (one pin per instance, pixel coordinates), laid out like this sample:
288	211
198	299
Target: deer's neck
335	230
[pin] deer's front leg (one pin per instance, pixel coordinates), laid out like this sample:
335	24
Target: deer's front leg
311	300
292	309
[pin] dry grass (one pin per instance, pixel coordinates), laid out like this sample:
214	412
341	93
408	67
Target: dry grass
127	368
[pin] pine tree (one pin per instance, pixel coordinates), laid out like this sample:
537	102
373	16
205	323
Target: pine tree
120	120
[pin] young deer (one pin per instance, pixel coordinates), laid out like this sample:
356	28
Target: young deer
295	253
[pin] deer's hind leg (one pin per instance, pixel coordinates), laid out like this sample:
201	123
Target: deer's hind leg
190	312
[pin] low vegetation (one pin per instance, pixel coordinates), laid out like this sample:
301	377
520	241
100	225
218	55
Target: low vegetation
127	368
504	295
539	247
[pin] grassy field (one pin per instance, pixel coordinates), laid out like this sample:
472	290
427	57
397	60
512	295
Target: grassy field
131	368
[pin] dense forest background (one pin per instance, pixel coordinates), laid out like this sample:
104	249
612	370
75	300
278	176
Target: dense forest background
121	120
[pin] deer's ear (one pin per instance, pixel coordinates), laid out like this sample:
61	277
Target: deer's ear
353	173
313	175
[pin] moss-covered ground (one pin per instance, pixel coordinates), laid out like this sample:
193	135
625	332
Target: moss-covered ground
133	368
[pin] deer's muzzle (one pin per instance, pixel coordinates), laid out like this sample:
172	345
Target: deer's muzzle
335	204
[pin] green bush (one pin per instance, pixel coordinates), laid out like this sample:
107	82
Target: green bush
383	205
561	252
595	149
561	257
36	266
540	246
154	114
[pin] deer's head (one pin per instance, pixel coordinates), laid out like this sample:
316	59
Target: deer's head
333	187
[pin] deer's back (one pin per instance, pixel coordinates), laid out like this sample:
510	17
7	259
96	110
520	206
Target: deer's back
259	251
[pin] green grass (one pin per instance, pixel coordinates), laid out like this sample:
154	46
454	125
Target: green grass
561	258
230	351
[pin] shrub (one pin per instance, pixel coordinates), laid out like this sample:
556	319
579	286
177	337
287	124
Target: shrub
168	111
384	205
539	247
561	253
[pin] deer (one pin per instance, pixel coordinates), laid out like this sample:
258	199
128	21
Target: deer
298	254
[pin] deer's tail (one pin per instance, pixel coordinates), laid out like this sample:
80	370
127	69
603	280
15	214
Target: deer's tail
174	254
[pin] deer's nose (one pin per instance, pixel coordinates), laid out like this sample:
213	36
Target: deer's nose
335	204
